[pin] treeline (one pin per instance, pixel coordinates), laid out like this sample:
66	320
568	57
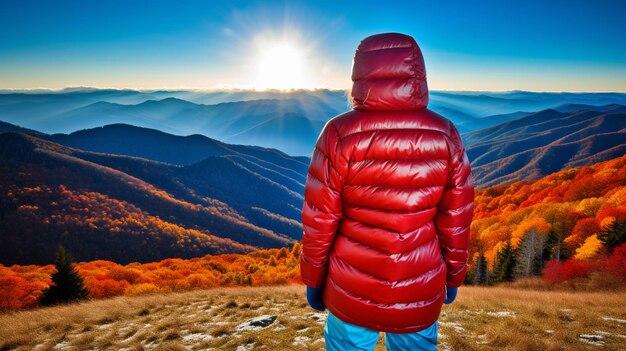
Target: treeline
23	286
566	225
541	256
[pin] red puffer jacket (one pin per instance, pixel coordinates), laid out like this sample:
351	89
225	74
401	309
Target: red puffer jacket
389	197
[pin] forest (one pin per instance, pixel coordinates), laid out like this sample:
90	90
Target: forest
21	286
565	226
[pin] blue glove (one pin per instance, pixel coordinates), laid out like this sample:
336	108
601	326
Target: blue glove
450	295
314	297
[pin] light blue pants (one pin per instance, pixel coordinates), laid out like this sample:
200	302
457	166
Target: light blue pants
342	336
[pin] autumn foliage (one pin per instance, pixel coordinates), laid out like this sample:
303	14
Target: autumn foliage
572	205
557	271
21	286
564	214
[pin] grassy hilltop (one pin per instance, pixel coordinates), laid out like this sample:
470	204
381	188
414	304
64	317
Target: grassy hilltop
278	318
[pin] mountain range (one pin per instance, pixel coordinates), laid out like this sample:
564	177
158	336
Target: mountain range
191	197
544	142
288	121
130	193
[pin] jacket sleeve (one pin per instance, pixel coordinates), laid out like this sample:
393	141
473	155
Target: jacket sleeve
322	210
455	212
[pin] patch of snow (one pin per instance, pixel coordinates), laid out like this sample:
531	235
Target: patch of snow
320	318
303	330
126	328
482	339
549	331
566	310
279	328
150	345
256	323
63	345
592	339
245	347
613	319
129	338
194	337
320	340
105	326
502	314
300	341
600	332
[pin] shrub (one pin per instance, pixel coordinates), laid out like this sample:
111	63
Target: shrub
556	271
617	261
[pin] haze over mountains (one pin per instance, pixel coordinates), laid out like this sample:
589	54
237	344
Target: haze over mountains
289	122
129	193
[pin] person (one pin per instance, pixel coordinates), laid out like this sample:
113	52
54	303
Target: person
388	203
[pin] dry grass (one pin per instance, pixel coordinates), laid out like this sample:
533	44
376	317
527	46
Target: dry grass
596	282
481	319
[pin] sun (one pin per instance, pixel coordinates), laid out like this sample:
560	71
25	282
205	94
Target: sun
282	66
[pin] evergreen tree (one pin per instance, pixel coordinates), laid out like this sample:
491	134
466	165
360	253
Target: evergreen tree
482	275
68	285
551	246
470	277
507	261
614	234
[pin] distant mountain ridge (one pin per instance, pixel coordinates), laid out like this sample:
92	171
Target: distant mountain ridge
545	142
218	197
125	193
288	121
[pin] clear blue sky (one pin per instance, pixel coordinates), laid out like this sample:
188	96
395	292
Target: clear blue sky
560	45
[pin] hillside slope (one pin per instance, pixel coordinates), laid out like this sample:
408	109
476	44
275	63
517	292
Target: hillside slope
573	204
544	142
53	194
124	139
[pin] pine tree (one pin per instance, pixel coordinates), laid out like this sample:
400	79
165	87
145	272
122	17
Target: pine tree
506	264
68	285
482	275
613	234
551	246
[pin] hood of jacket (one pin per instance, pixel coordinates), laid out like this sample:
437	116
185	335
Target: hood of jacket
388	73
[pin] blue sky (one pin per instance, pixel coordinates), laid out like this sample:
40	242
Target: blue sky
468	45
